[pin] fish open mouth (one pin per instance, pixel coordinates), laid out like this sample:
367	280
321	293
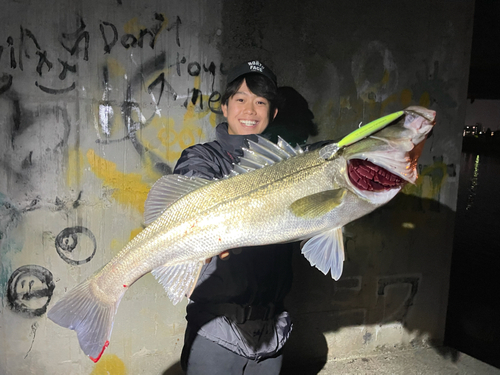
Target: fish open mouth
365	175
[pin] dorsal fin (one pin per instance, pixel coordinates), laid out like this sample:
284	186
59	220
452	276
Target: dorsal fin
245	162
239	169
298	149
280	151
264	152
257	157
269	150
167	190
285	146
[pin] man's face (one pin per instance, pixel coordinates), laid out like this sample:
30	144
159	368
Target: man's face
246	112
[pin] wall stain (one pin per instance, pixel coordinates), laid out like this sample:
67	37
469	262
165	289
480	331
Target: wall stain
74	167
12	239
109	364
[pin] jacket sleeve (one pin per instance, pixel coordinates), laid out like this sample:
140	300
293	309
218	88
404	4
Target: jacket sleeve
202	161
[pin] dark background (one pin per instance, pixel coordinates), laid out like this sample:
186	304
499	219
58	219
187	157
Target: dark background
472	324
484	78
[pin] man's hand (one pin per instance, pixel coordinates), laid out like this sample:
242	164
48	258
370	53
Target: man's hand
224	255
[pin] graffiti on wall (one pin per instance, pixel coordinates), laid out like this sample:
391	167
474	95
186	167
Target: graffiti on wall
30	289
25	51
155	136
69	241
59	72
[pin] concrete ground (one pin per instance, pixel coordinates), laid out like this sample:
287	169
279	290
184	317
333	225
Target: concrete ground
426	361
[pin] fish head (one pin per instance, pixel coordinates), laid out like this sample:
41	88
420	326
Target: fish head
378	166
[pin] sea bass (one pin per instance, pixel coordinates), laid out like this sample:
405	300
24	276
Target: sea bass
277	194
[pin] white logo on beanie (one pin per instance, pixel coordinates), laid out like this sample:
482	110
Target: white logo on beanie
256	66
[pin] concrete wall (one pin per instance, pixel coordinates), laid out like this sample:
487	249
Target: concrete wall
92	113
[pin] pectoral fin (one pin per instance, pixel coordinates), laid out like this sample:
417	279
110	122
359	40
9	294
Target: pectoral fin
326	252
179	280
318	204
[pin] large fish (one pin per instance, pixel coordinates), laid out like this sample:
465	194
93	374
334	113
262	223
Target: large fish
277	194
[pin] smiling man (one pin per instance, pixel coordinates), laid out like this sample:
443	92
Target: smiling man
249	110
237	323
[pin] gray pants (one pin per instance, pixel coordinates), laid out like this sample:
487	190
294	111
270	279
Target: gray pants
208	358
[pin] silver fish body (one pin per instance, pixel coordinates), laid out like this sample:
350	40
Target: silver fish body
280	195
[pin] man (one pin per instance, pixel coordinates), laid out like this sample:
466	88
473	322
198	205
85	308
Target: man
236	319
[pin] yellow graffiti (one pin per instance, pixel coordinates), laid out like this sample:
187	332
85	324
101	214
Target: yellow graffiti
148	166
386	77
170	138
168	142
74	169
212	119
115	68
133	27
430	181
109	364
162	139
324	113
425	100
345	102
185	138
135	232
117	245
406	96
129	188
404	99
394	98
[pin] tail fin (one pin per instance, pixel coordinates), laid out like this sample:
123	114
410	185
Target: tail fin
91	318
